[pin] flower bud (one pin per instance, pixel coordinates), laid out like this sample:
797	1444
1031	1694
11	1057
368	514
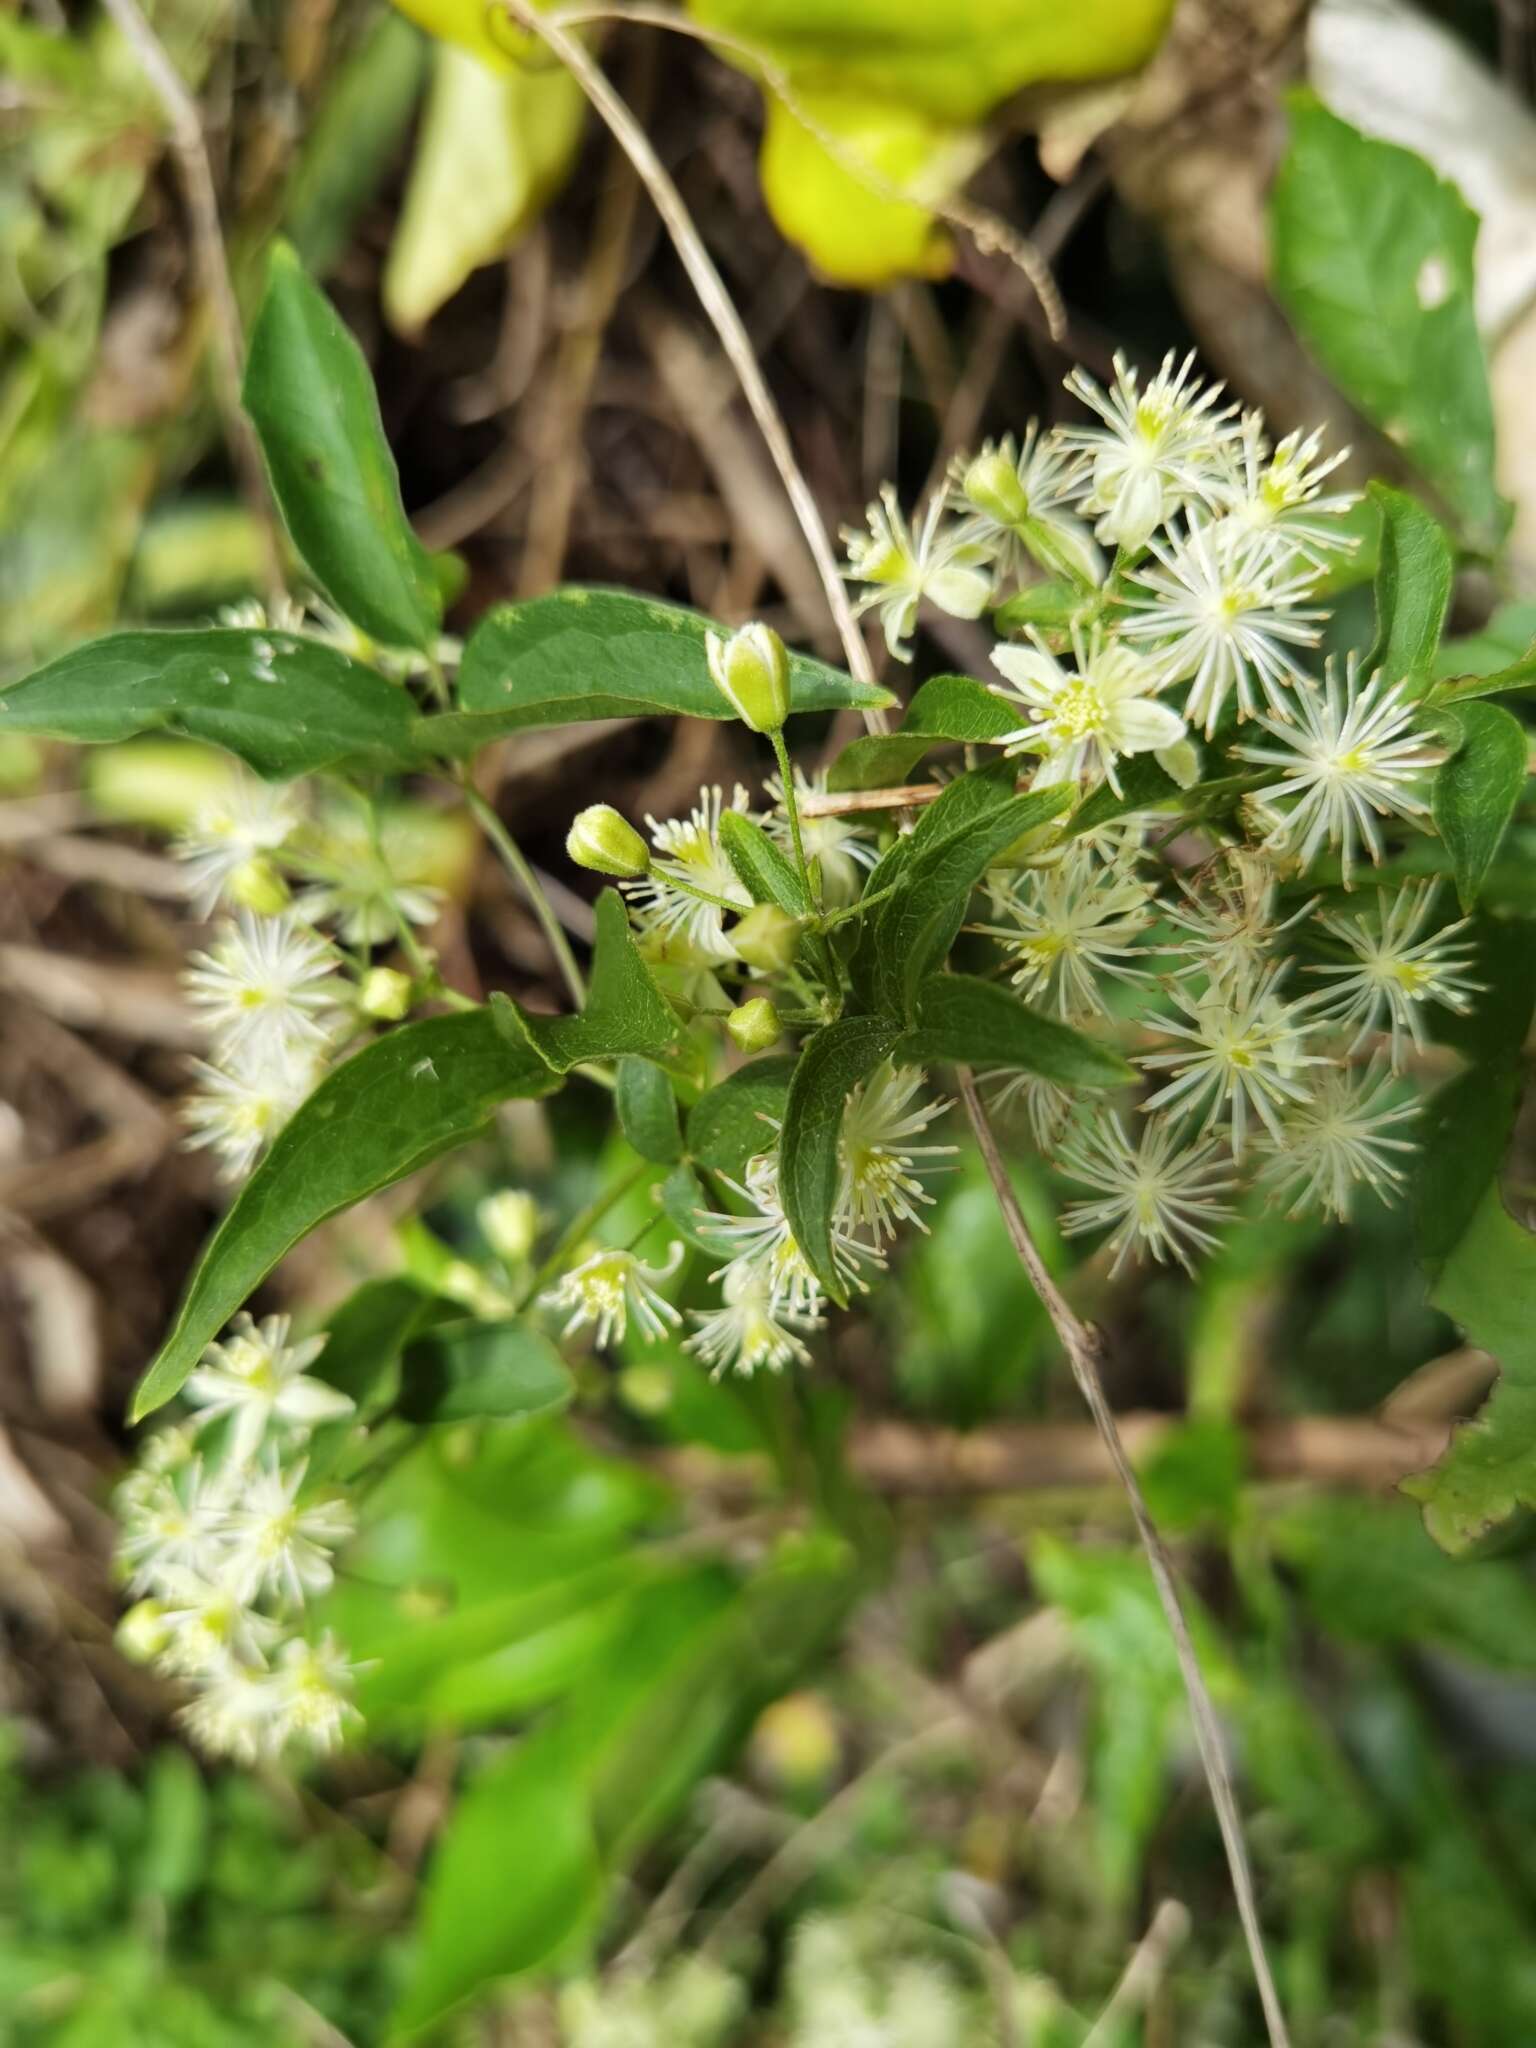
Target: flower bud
257	885
385	994
603	841
754	1026
767	938
751	672
142	1633
462	1282
796	1741
509	1223
992	485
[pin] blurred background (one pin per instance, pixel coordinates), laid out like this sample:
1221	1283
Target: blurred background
832	1712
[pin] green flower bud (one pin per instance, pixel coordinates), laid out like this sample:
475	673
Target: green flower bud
257	885
509	1223
751	672
992	485
385	994
755	1026
142	1633
600	839
767	938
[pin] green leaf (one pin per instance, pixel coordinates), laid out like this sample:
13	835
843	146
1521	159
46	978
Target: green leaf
285	704
763	869
1373	263
1464	1138
977	1023
647	1109
945	708
591	653
1051	605
734	1121
1506	647
625	1011
308	391
394	1107
1488	1286
917	926
1413	590
1142	784
831	1063
463	1371
1477	789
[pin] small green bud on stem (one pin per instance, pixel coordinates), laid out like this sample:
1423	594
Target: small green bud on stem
754	1026
509	1222
992	485
751	672
385	994
767	938
608	844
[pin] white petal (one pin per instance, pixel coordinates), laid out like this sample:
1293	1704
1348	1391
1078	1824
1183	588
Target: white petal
963	593
307	1402
1141	725
1033	672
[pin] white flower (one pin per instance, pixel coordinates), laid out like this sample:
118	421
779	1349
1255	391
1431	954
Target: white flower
1048	1106
763	1249
610	1287
279	1545
258	1379
1160	1196
1351	756
948	566
1219	610
841	847
878	1155
1158	449
1336	1138
1226	926
1069	926
1019	503
241	1106
173	1521
234	1714
1246	1048
249	820
1082	720
313	1686
1280	491
209	1628
267	987
1394	971
371	873
749	1330
691	859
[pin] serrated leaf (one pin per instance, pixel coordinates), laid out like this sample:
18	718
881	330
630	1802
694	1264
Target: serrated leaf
1413	591
584	653
735	1120
463	1371
625	1012
763	869
311	398
831	1063
976	1023
1488	1286
916	926
388	1110
1372	259
647	1107
1477	790
945	708
286	705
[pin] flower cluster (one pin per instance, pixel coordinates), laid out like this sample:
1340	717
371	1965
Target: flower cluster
224	1541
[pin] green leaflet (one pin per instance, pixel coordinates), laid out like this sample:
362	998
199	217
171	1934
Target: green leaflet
735	1120
945	708
625	1013
285	704
974	1022
462	1371
1477	791
831	1063
764	871
393	1107
1413	591
591	653
647	1109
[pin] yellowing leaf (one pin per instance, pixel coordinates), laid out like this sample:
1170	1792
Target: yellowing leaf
493	146
487	32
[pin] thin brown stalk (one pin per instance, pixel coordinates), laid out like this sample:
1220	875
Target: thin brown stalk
1083	1349
212	266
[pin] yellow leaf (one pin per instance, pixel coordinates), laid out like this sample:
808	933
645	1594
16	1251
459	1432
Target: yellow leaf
493	146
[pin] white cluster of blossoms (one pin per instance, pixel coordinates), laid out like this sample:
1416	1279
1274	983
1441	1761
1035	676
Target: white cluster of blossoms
280	997
224	1542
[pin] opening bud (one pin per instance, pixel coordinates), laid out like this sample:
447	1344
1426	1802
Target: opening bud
142	1633
509	1222
992	485
257	885
385	994
767	938
751	672
603	841
755	1026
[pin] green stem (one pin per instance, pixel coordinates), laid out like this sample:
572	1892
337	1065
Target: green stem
515	862
792	812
